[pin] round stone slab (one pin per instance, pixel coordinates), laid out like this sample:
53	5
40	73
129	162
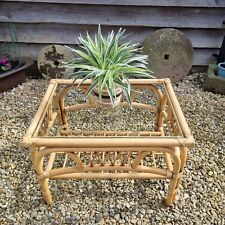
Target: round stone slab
50	59
170	53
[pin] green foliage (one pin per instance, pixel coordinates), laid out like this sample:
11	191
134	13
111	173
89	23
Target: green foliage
108	63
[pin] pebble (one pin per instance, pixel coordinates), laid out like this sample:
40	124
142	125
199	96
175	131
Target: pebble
201	200
117	217
210	173
223	211
98	218
4	165
186	196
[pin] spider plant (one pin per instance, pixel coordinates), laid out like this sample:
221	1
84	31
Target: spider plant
108	62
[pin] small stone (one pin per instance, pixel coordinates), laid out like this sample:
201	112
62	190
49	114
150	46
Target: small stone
157	218
133	221
210	173
186	196
12	165
98	218
223	211
4	165
142	211
211	145
54	223
117	217
56	216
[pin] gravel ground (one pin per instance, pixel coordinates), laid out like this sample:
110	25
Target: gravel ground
201	199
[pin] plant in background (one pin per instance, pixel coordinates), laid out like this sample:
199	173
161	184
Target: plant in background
109	64
12	69
10	57
5	64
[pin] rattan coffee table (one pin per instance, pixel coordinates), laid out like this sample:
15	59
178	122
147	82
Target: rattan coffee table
59	152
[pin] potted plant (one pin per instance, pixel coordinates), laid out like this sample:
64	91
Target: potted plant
109	64
12	70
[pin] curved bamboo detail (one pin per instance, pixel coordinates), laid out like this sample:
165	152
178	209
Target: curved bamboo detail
98	168
92	104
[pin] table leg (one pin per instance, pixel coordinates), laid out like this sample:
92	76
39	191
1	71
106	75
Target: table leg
43	182
45	190
179	162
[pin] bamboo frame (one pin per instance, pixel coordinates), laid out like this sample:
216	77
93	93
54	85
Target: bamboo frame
108	154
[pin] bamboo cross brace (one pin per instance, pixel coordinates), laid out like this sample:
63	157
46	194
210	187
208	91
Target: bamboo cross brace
109	133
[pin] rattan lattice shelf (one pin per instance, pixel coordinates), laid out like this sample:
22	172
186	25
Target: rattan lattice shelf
61	152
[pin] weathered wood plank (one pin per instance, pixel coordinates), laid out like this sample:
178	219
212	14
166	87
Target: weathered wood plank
201	56
174	3
204	57
112	15
67	34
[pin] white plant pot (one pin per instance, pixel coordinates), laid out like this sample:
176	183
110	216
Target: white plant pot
104	99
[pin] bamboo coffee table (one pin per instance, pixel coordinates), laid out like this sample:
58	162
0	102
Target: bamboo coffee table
108	154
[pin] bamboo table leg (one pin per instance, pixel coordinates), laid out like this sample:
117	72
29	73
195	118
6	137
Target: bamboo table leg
43	182
178	171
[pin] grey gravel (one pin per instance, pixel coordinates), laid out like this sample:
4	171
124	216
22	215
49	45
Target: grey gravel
201	197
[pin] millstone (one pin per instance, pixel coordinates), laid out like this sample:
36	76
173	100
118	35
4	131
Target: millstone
170	53
50	59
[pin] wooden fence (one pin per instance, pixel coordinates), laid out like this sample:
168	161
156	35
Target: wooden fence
42	22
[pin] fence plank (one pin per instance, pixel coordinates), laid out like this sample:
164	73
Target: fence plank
67	34
112	15
201	56
174	3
